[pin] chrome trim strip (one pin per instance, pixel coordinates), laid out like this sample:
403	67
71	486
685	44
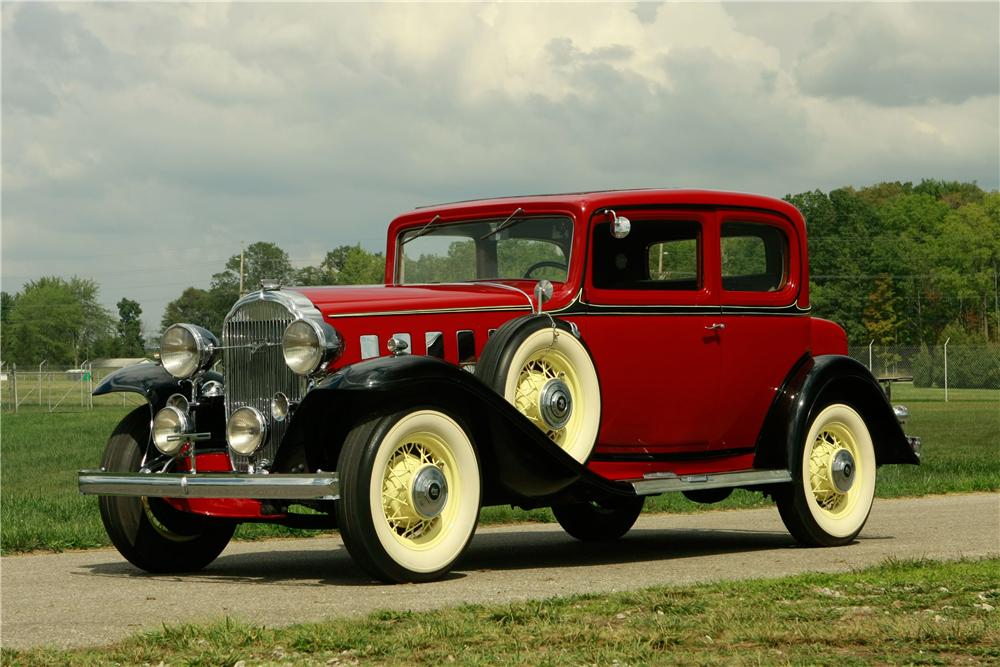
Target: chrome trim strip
668	481
325	486
469	309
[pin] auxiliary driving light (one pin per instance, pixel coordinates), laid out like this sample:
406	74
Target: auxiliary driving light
170	421
246	430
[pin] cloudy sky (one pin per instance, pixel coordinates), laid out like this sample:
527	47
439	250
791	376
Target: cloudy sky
143	142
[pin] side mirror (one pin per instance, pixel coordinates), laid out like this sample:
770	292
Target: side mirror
543	292
620	225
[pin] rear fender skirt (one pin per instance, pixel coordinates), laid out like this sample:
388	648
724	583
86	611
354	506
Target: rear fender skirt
815	382
518	462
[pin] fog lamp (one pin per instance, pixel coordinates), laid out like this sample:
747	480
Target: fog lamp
246	430
168	422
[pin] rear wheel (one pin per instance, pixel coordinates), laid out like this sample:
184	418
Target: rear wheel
593	521
410	493
833	480
148	532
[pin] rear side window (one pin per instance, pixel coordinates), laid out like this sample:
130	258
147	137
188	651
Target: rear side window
656	255
754	257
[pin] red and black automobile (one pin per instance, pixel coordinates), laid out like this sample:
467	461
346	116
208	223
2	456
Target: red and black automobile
577	351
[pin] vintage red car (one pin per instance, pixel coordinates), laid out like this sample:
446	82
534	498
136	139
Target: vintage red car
577	351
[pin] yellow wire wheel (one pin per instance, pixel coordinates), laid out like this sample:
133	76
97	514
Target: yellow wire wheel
411	494
551	380
834	480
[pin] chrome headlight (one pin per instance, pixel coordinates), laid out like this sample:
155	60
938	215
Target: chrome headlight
246	430
170	421
186	349
308	345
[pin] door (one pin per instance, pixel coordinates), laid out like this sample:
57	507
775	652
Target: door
648	309
765	331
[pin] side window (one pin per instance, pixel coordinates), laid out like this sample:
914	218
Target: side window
656	255
674	261
754	257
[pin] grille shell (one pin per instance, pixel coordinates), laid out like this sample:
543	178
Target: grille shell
254	368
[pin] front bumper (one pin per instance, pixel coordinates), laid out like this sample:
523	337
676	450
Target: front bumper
322	486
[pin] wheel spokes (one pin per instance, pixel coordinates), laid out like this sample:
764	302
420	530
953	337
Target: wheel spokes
824	489
402	517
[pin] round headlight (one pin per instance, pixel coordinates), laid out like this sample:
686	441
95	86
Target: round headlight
246	430
169	422
185	349
307	345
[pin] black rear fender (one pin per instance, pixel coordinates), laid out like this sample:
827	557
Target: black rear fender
812	384
517	461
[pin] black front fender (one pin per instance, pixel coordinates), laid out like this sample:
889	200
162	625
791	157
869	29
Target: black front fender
815	382
519	464
154	383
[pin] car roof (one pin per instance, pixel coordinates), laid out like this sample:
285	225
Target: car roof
592	199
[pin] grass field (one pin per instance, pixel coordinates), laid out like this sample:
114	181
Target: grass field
899	613
40	453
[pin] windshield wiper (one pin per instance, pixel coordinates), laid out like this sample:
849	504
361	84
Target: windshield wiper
509	222
426	229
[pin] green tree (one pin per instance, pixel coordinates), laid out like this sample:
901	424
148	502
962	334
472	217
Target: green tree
345	265
261	261
129	341
57	320
197	306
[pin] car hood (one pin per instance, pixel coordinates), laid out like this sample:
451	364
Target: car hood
347	301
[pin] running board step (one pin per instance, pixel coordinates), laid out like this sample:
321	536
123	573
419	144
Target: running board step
662	482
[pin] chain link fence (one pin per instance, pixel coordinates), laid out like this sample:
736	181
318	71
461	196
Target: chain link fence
57	388
941	367
944	371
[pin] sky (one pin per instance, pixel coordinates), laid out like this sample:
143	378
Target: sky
143	142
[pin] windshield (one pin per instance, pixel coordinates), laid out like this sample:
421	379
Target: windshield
526	248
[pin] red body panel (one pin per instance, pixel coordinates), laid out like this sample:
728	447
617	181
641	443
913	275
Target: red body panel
687	377
244	509
671	387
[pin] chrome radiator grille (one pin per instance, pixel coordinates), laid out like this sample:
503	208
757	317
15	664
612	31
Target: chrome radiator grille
255	370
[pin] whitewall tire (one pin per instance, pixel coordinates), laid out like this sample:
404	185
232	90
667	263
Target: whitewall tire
833	477
547	373
410	494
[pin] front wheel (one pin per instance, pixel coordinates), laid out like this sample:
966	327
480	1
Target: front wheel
148	532
410	493
833	480
595	521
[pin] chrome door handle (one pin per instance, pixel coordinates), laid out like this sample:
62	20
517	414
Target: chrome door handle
716	326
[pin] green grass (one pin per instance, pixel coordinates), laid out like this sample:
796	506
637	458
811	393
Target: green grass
899	613
41	452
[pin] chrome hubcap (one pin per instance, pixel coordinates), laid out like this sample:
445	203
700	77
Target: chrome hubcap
429	491
555	404
842	469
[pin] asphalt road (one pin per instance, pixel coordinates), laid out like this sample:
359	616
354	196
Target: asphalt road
94	597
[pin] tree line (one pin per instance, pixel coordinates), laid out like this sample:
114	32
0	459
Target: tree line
897	263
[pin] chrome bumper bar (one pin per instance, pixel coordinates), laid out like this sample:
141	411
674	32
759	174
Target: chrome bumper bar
322	486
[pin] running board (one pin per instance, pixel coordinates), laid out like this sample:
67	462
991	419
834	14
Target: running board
662	482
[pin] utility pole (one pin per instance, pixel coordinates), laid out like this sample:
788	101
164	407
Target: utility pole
946	369
241	268
996	299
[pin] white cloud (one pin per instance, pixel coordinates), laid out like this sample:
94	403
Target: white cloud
156	137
